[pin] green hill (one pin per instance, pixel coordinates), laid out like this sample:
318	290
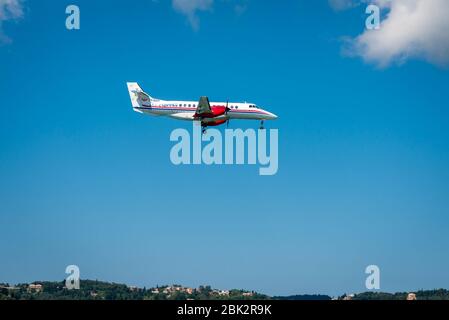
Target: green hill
100	290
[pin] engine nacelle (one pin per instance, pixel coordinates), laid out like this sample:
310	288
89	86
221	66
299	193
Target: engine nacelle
218	110
213	123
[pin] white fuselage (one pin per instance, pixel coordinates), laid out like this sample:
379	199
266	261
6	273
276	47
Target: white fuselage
185	110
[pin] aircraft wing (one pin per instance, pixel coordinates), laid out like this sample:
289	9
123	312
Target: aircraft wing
203	108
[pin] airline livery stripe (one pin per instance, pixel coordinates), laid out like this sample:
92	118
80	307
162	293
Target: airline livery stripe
194	109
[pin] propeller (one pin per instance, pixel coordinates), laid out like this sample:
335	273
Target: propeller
226	112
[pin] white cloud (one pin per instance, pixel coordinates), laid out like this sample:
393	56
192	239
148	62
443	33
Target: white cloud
416	29
190	9
240	8
9	10
340	5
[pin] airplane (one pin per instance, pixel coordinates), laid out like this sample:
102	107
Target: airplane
209	113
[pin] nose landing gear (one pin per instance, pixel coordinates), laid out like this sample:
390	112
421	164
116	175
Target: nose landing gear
261	125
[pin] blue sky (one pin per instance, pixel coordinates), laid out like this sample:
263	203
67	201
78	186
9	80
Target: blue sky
363	150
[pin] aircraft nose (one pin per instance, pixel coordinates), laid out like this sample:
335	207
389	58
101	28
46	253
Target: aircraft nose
272	116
